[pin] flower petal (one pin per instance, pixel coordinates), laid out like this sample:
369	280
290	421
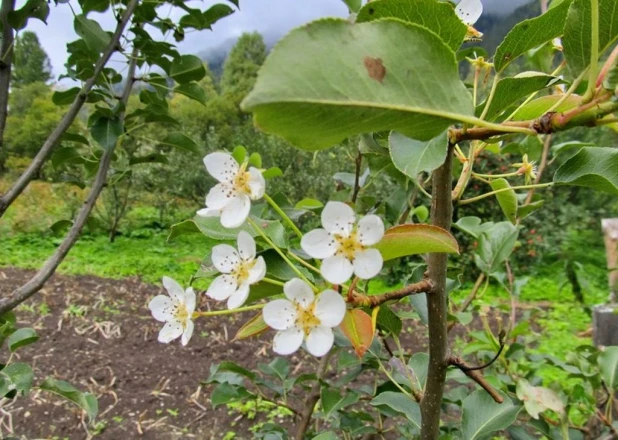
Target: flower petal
174	289
222	287
170	331
320	341
239	297
236	212
318	244
330	308
299	292
160	306
256	183
370	230
246	246
221	166
188	332
336	269
288	341
338	217
258	271
220	196
225	258
469	11
367	263
209	212
190	300
279	314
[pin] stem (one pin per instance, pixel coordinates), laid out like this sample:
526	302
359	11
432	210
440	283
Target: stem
541	169
41	157
280	252
466	173
228	312
594	53
271	281
489	194
283	215
6	51
313	398
492	92
609	64
303	262
496	176
358	162
568	93
371	301
441	215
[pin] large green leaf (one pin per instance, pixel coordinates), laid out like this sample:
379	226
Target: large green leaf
400	403
359	83
608	364
495	246
21	338
85	401
531	33
16	376
332	401
106	131
537	107
577	39
183	142
411	157
187	68
404	240
507	198
435	15
595	168
64	97
90	30
18	19
193	91
482	415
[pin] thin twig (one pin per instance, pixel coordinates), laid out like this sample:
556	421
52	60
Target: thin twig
358	162
476	376
361	300
541	169
313	398
6	63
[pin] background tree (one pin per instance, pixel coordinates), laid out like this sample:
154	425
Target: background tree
31	61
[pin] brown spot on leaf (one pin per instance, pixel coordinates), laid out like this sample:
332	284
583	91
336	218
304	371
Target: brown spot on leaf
375	68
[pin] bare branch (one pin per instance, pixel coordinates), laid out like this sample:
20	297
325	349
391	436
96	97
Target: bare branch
6	64
360	300
312	399
476	376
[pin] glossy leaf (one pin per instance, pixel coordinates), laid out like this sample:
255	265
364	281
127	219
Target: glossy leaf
473	226
608	364
495	246
193	91
64	97
255	326
524	211
538	399
569	146
402	404
483	416
21	338
359	84
353	5
506	199
419	364
537	107
85	401
182	142
412	157
357	326
414	239
595	168
106	131
187	68
388	320
435	15
95	37
309	204
332	401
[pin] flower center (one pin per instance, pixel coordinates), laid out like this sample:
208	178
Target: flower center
306	319
241	272
181	314
241	180
347	246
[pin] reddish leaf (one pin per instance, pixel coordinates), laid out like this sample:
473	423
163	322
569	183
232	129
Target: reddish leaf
359	329
404	240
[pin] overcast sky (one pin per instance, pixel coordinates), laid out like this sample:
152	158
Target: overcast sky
272	18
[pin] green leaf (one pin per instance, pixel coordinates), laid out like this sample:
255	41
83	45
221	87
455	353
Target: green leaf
94	5
85	401
569	145
204	20
482	415
18	376
608	364
473	226
187	68
211	227
183	228
66	155
21	338
64	97
148	158
538	399
182	142
227	366
539	106
577	39
192	91
272	172
256	160
73	137
239	153
400	403
595	168
414	239
419	364
525	210
90	30
309	204
412	157
353	5
359	84
495	246
106	131
328	435
255	326
531	33
61	226
388	320
226	393
435	15
279	269
506	199
510	91
332	401
18	19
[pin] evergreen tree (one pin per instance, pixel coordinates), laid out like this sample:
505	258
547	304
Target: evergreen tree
241	66
31	63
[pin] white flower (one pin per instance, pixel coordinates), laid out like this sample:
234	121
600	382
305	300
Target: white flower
176	311
237	186
343	244
240	269
469	11
302	317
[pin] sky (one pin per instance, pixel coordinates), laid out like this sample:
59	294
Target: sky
272	18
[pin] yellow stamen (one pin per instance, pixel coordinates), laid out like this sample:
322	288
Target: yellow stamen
306	319
241	180
347	246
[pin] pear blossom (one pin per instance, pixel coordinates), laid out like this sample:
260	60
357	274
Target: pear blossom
231	197
527	168
240	269
343	244
469	11
303	317
176	310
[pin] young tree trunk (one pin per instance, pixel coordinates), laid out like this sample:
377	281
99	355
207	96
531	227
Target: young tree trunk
6	62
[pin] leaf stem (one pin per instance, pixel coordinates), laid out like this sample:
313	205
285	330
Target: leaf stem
283	215
303	262
489	194
271	281
496	176
594	53
228	312
490	98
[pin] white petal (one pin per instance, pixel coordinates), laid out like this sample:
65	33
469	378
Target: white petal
190	300
318	244
221	166
330	308
170	331
186	335
246	246
222	287
160	307
256	183
174	289
338	217
367	263
209	212
336	269
220	196
288	341
279	314
257	272
236	212
469	11
225	258
370	230
239	297
320	340
299	292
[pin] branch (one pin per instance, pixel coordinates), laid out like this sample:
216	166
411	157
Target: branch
6	63
312	399
361	300
476	376
41	157
358	162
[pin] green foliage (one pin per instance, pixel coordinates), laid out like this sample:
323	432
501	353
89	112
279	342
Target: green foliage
30	62
241	67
